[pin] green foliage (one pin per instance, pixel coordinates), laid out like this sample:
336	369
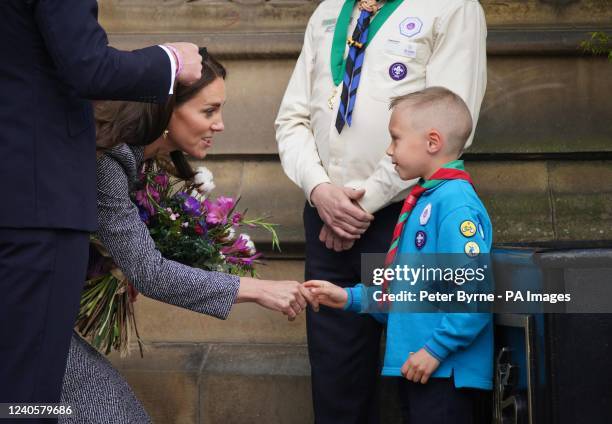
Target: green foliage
598	45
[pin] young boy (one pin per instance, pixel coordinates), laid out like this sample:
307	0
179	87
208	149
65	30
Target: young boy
442	215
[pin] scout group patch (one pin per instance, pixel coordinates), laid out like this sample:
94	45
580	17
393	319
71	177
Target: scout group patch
398	71
471	249
425	215
410	27
420	239
468	228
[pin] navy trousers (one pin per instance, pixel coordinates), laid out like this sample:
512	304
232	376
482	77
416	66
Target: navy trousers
344	346
42	273
437	402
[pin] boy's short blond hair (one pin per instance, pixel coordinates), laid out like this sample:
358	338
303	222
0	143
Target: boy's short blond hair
439	108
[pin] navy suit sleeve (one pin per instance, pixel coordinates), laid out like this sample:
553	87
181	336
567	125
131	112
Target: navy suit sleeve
78	46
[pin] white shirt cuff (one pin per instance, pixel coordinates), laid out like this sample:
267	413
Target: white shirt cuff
172	67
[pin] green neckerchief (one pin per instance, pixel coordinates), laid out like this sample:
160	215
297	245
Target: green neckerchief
421	187
338	61
429	184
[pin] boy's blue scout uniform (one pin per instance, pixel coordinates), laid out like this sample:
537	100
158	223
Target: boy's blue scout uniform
449	218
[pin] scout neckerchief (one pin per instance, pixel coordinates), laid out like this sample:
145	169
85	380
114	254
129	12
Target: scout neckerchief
451	171
363	34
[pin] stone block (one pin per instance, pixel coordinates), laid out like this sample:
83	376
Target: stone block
582	199
517	199
545	105
256	383
184	16
166	380
533	105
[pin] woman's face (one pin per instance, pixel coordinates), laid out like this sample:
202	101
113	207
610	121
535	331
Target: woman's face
194	123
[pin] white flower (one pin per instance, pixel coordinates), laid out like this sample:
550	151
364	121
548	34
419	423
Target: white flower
206	188
203	180
204	173
185	224
229	235
249	244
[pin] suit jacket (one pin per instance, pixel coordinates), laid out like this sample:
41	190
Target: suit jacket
54	56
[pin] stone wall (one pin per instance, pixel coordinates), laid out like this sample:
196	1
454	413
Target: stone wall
541	159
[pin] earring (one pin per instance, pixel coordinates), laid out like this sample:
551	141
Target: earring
165	134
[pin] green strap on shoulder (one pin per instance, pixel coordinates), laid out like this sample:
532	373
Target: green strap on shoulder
338	62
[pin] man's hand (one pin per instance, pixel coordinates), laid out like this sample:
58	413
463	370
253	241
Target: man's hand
334	241
191	62
338	209
327	294
419	366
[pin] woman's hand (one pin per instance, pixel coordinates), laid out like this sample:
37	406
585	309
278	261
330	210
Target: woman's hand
327	294
288	297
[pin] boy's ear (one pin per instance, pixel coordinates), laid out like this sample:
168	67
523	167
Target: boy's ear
435	141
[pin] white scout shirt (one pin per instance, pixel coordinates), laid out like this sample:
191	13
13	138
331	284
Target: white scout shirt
423	43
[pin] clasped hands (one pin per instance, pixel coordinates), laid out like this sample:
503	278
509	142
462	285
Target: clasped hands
418	367
291	298
344	220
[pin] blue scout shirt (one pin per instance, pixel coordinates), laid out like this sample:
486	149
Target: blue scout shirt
449	218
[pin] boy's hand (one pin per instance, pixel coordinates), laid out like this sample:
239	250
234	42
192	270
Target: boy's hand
419	366
328	294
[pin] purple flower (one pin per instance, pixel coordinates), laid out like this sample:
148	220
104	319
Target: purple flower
219	210
142	200
191	206
144	215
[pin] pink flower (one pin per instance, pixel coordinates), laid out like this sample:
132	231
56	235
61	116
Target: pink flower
236	218
243	246
242	261
153	193
239	246
219	210
173	215
162	180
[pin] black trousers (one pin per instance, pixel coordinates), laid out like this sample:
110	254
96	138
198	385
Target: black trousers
344	346
41	278
437	402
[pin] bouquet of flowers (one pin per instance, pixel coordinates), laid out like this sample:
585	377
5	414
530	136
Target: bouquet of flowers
188	226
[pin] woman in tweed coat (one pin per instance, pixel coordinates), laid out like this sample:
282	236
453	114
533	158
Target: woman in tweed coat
187	124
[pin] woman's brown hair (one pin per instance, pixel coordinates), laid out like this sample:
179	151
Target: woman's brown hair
143	123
